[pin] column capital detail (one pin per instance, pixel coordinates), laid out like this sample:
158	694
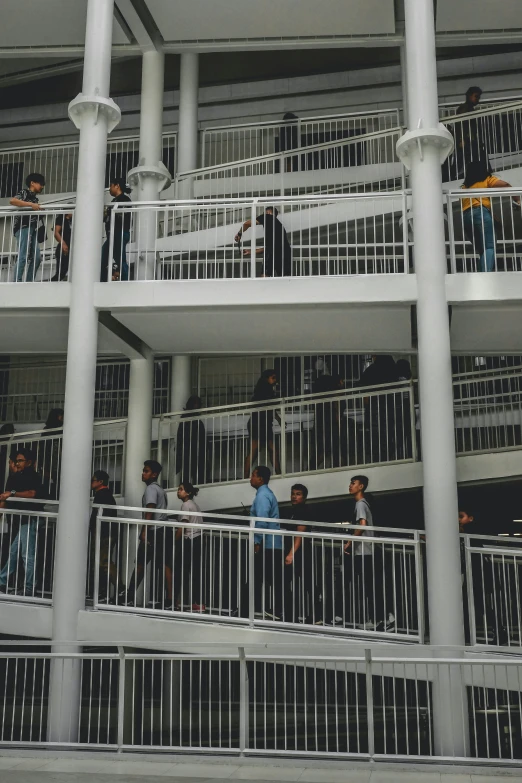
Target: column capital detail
86	104
411	141
158	173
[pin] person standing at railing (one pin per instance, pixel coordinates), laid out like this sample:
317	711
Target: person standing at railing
190	553
191	444
260	425
108	572
276	248
63	235
379	410
25	228
469	144
156	542
327	422
477	213
268	549
49	459
122	226
23	483
303	572
288	141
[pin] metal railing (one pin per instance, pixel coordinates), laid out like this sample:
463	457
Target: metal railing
325	236
295	435
256	573
493	579
488	412
227	143
366	164
27	547
33	253
31	389
493	134
449	109
108	453
256	702
484	230
58	162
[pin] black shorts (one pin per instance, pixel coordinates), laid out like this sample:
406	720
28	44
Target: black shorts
260	426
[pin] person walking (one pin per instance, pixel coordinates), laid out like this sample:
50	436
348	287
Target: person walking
156	542
191	444
122	225
25	228
268	548
63	235
276	247
190	555
477	214
260	425
23	482
108	573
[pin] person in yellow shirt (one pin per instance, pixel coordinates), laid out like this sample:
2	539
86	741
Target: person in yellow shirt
477	215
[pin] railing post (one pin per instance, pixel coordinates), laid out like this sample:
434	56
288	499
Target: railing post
413	422
121	698
451	235
253	216
470	593
250	575
96	575
405	233
283	441
419	586
243	702
111	244
369	703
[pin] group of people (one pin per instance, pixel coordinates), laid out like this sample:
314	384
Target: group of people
30	231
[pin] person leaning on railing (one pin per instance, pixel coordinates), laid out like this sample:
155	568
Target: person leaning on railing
477	214
25	228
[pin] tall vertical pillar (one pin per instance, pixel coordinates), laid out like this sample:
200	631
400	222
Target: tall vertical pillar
95	114
423	149
139	425
180	383
188	121
151	176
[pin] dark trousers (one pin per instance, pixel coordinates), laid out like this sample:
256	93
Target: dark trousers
62	264
189	571
363	587
157	548
119	256
303	583
268	577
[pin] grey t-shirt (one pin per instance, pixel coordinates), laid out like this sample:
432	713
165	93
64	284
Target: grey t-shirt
363	511
157	495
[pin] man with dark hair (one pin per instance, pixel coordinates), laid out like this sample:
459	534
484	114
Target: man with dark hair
363	571
24	482
276	247
108	572
267	548
302	572
25	228
155	542
472	100
470	134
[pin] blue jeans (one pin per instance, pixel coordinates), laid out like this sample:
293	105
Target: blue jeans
24	545
479	229
28	253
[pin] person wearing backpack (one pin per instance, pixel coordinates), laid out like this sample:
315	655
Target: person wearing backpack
25	228
364	567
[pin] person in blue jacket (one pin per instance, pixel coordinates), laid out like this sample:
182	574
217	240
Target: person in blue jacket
268	548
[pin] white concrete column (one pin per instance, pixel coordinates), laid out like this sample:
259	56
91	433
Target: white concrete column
424	148
95	115
404	84
180	382
139	426
188	112
151	176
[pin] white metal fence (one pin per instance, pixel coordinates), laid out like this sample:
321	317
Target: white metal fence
257	702
365	164
343	235
493	135
484	230
29	248
58	163
259	573
227	143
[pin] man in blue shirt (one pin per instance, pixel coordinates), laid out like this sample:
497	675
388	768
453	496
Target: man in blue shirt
268	548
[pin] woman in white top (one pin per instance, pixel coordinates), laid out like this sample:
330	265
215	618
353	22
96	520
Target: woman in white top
188	567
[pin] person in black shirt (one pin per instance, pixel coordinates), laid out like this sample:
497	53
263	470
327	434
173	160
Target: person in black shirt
302	569
62	234
289	140
276	247
379	410
122	225
191	444
260	425
25	228
108	573
24	482
472	100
